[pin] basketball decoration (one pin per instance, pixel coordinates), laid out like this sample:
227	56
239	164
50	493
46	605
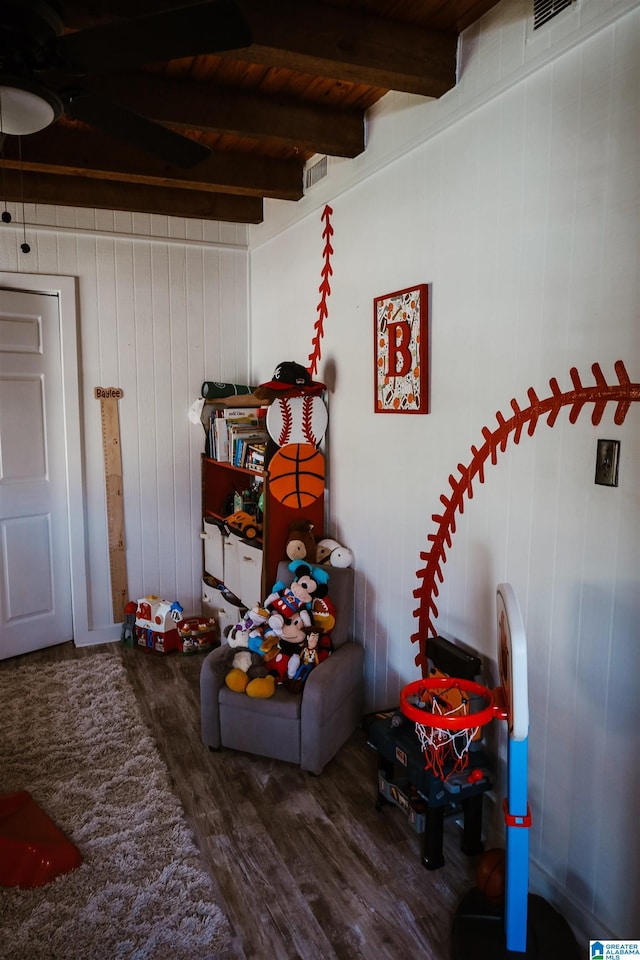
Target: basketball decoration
490	875
296	475
297	420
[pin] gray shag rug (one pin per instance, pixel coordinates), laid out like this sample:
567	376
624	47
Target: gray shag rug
71	733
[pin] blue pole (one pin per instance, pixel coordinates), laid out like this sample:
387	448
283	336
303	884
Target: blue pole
517	822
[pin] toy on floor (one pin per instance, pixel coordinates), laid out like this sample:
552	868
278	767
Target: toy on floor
490	875
198	634
406	781
446	723
33	850
128	632
156	624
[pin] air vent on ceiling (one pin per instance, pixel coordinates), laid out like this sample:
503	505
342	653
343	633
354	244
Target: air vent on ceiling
315	173
545	10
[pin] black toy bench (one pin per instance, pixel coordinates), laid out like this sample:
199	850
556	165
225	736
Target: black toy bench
425	799
404	781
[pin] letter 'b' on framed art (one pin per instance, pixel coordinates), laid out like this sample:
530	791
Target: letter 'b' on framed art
401	327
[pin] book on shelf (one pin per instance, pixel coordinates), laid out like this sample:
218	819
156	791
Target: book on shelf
243	446
223	426
254	457
239	437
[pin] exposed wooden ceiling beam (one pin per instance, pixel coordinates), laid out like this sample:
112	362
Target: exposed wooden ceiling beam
79	191
331	41
313	127
302	87
324	40
94	155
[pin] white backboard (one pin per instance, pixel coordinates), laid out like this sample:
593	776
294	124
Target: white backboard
512	661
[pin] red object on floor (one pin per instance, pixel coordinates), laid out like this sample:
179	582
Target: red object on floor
32	849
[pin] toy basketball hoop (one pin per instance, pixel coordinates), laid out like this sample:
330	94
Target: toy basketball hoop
448	713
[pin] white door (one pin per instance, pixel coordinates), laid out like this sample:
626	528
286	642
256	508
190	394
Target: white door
35	576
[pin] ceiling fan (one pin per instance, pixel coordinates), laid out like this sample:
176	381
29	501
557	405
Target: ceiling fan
41	68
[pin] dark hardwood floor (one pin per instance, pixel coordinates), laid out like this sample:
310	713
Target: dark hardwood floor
305	866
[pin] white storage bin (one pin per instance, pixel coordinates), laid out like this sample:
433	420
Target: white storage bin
243	569
213	547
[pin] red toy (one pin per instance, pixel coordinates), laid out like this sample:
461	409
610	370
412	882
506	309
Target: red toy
156	624
198	634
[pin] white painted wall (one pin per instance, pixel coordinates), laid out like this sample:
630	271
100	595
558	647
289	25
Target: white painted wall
516	196
162	306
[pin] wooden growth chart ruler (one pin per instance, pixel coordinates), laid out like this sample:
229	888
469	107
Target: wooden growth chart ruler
108	397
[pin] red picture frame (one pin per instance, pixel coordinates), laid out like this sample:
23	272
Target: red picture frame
401	324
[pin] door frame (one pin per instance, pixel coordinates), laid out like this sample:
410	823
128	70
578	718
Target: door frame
66	289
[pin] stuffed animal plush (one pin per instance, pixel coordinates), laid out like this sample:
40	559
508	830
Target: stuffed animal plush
301	541
291	642
308	582
249	630
269	647
309	658
268	618
323	614
331	552
244	670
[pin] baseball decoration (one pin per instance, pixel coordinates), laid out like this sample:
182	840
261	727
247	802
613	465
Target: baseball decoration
325	291
297	420
524	421
296	475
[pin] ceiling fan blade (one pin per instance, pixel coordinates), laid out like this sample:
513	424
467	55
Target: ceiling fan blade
182	32
138	131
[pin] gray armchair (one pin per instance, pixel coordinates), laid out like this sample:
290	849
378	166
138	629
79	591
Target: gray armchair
307	728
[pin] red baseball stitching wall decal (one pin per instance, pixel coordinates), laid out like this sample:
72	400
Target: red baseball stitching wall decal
623	393
307	421
325	292
287	420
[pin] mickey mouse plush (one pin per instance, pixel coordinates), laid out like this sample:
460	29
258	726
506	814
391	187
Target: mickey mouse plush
284	601
283	660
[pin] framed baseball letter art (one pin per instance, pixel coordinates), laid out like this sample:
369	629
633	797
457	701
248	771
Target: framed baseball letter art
400	350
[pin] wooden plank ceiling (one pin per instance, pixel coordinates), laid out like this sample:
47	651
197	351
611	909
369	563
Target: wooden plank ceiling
301	88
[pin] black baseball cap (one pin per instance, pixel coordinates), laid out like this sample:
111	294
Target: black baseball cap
290	375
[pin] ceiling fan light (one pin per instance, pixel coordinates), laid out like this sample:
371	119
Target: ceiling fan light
26	107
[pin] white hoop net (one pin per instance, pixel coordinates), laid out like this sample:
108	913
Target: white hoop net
446	748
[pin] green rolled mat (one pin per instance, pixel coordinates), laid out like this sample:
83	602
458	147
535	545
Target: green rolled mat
215	391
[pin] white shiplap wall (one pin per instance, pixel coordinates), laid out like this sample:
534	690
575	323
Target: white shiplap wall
162	306
517	197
